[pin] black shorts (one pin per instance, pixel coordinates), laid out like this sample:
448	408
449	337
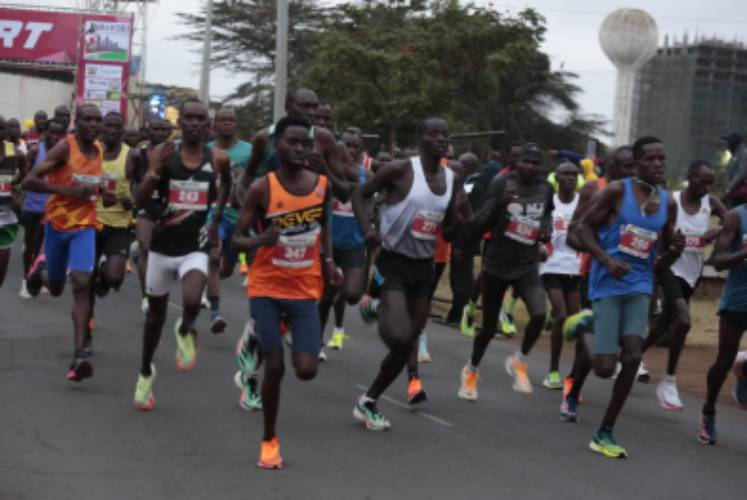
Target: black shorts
565	282
673	287
415	277
736	319
348	259
111	241
30	220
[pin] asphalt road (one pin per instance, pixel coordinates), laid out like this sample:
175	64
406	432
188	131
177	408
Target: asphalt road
61	440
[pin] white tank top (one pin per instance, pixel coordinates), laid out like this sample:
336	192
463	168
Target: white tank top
410	226
563	259
690	264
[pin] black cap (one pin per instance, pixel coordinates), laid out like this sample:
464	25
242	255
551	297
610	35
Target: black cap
732	138
531	149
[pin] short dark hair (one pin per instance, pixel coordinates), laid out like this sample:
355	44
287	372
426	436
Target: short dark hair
83	106
189	100
116	114
352	131
423	125
292	94
697	164
641	143
290	121
55	122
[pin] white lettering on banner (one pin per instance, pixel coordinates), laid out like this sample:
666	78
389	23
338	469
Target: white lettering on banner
522	229
426	225
637	241
10	29
6	185
188	195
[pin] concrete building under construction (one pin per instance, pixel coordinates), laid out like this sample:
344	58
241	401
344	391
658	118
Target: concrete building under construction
689	94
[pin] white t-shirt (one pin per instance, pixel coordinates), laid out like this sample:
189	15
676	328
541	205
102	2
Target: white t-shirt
563	259
689	265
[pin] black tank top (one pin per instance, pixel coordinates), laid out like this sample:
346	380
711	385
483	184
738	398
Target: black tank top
185	195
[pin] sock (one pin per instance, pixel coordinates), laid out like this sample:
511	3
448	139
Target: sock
338	330
412	372
510	303
214	305
520	357
365	400
672	379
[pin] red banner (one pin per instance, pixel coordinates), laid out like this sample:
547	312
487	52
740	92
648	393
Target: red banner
39	37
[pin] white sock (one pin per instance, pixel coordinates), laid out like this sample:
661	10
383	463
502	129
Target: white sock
338	330
365	399
672	379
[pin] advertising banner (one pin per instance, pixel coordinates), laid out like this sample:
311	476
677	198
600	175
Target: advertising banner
34	36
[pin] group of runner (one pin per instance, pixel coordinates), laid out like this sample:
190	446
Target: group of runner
322	226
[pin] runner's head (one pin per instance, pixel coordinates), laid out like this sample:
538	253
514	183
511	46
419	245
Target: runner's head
620	163
433	135
513	153
225	124
302	102
382	159
351	138
324	116
55	133
14	130
62	115
292	141
131	135
193	120
567	176
650	159
113	131
529	165
87	123
470	162
700	178
160	131
40	121
3	129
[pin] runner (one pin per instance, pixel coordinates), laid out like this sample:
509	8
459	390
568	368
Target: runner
729	253
149	212
62	116
620	229
187	180
34	135
694	209
517	209
423	197
560	272
285	278
223	258
324	116
14	135
71	172
32	209
132	137
12	164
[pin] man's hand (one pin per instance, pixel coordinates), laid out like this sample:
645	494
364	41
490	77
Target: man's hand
107	197
711	234
616	268
316	163
544	253
270	237
126	202
333	273
157	158
373	238
79	192
678	242
509	193
545	235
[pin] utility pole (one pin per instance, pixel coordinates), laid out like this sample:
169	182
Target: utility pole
281	59
207	46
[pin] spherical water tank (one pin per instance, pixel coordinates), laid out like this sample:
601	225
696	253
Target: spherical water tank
629	37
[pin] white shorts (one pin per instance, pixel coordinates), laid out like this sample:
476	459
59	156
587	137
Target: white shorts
161	270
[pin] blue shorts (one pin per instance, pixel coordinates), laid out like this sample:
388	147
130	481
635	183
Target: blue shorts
302	316
225	233
69	250
617	317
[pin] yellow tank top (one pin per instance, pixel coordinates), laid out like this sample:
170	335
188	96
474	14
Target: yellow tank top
115	180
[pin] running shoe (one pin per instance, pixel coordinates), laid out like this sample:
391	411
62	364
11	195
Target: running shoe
468	383
204	302
604	444
250	398
186	350
467	324
669	397
338	337
247	350
269	455
34	276
369	414
145	305
322	357
569	409
707	430
740	388
518	371
23	292
415	392
367	307
553	381
643	376
80	369
582	321
423	355
218	324
567	386
144	399
508	327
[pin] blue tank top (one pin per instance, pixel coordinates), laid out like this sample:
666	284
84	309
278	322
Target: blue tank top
630	238
346	233
735	290
34	202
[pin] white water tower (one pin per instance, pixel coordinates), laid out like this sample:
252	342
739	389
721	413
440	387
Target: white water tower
629	38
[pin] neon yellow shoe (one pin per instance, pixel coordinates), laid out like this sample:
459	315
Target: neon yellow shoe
467	324
604	444
144	399
577	323
186	350
338	337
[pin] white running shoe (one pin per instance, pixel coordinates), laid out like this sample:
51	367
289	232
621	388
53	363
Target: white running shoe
204	302
666	391
643	376
24	293
322	356
145	305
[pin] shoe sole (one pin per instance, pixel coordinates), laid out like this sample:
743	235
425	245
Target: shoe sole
218	327
568	418
466	397
268	466
701	440
552	387
668	406
145	407
598	449
362	418
424	360
418	398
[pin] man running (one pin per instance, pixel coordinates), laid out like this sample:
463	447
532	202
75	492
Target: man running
71	172
14	135
560	271
285	278
517	210
694	209
32	208
422	197
40	127
223	258
621	229
12	165
324	116
62	116
186	177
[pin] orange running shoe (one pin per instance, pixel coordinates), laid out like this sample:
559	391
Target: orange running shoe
468	383
244	269
415	392
518	370
567	386
269	457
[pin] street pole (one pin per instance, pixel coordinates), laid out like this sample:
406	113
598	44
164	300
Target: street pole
206	50
281	59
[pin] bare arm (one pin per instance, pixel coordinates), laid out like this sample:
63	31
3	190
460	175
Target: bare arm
458	211
497	197
259	143
584	199
30	160
56	158
156	164
723	257
363	196
255	200
672	240
330	272
222	165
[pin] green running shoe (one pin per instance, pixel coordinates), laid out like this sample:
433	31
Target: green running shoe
369	415
338	337
582	321
604	444
247	350
250	398
144	399
467	324
553	381
186	351
508	327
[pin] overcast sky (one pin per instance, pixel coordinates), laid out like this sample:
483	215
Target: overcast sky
571	40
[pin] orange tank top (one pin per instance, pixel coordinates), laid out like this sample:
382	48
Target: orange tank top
292	268
68	214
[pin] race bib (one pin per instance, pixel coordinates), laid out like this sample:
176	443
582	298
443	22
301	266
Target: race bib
110	182
426	225
342	209
295	251
188	195
522	229
90	181
6	185
560	224
636	241
695	242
